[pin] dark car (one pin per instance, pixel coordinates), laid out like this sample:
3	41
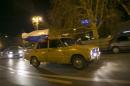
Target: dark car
120	44
13	51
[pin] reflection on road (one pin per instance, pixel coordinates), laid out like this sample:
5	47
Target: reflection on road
112	71
106	70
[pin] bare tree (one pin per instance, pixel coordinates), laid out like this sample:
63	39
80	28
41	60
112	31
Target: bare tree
96	11
67	14
64	15
125	4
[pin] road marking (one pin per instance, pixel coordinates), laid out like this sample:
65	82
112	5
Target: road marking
87	79
70	77
13	71
49	79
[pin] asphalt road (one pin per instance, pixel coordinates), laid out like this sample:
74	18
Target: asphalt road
111	70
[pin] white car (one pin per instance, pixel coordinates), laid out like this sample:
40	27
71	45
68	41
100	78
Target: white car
13	51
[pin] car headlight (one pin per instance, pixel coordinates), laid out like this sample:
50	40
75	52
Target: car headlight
20	51
10	54
20	55
95	52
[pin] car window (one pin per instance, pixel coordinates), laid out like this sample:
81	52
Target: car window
55	43
42	45
68	41
13	48
123	38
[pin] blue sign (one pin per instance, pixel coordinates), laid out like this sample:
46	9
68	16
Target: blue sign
85	22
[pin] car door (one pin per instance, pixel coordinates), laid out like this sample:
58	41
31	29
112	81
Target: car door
55	51
41	50
129	43
124	42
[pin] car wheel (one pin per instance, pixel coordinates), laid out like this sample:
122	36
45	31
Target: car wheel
115	50
78	62
34	61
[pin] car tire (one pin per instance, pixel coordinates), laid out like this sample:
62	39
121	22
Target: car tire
35	62
115	50
78	62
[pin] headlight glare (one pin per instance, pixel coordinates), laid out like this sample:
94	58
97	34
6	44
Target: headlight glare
10	52
20	51
95	52
10	55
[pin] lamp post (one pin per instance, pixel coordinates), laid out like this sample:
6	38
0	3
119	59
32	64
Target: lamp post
36	20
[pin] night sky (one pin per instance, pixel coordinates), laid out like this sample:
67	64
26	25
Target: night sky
15	15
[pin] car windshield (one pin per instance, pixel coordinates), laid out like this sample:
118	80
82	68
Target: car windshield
68	41
14	48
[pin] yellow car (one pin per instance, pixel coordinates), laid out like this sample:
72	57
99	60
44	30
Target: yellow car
62	51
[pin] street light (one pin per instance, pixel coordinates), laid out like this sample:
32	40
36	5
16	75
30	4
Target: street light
74	29
36	20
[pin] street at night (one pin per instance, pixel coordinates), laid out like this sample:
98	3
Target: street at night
65	43
111	70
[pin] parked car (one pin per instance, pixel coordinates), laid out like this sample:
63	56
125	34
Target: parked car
120	44
13	51
62	51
